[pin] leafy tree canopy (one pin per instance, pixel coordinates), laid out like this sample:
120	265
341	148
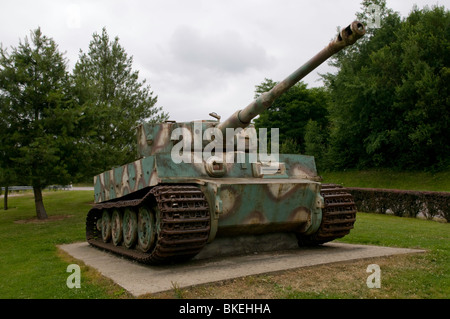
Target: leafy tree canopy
37	120
292	111
390	99
114	101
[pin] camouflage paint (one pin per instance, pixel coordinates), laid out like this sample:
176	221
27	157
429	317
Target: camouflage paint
241	201
241	198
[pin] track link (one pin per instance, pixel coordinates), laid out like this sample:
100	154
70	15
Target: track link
338	216
182	223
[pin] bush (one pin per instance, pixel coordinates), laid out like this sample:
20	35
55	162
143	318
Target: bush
432	205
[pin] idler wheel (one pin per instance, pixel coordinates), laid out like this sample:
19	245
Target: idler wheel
106	226
146	229
129	228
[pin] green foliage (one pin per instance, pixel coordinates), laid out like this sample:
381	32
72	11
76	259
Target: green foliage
114	102
316	143
56	128
289	146
390	99
38	119
292	111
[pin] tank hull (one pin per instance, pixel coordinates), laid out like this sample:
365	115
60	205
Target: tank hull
178	197
187	213
287	201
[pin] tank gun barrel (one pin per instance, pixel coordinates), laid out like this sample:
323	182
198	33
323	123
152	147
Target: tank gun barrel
242	118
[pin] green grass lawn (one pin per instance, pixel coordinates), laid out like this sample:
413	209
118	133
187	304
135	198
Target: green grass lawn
386	178
410	276
423	275
31	266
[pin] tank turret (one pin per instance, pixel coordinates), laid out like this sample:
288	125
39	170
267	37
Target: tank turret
188	187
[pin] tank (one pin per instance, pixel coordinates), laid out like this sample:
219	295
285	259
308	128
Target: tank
195	182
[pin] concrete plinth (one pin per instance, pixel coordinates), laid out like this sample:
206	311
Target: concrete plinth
139	279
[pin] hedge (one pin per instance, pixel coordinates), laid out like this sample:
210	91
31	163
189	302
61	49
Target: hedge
429	205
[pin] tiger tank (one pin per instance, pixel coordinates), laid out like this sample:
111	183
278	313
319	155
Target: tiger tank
195	182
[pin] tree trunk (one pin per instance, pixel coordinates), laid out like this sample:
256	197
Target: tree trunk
5	199
38	200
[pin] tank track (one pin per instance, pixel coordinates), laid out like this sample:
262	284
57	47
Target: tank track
338	216
182	223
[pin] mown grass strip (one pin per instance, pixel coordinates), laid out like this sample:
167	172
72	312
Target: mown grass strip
391	179
32	267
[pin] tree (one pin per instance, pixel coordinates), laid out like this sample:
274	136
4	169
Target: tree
37	118
389	100
289	146
316	142
6	168
292	111
114	102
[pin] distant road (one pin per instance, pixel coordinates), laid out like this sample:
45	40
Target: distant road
18	188
81	188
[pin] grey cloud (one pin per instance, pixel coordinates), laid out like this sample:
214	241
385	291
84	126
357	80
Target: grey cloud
225	52
198	55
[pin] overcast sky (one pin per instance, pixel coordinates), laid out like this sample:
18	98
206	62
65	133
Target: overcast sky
199	56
